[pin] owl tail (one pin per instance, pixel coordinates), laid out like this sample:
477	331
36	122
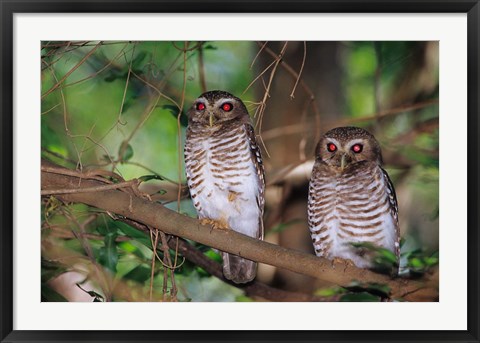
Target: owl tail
238	269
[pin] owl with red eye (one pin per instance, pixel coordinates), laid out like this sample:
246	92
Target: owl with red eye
351	198
225	173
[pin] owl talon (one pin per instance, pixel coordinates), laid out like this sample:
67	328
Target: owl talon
345	262
215	224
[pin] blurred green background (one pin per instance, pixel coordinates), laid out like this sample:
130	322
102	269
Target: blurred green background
120	107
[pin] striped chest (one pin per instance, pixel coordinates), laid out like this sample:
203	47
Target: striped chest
221	176
353	206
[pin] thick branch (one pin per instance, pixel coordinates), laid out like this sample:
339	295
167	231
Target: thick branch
254	288
156	215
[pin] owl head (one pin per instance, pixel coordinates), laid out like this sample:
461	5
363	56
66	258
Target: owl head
215	108
345	146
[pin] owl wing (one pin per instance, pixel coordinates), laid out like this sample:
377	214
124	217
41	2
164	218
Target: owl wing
392	199
258	165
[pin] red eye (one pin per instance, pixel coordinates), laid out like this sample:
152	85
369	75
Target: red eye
227	107
331	147
357	148
200	106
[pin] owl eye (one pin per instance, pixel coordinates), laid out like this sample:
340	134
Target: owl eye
331	147
200	106
357	148
227	107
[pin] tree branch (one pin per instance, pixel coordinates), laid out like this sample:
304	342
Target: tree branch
158	216
254	288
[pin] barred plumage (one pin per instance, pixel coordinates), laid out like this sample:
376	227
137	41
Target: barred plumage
351	198
225	173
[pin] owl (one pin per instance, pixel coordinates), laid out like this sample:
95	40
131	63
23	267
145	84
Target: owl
225	173
351	198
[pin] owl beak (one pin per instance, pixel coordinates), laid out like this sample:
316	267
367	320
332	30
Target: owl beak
343	161
211	119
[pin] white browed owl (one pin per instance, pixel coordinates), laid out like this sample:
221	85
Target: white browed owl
225	173
351	197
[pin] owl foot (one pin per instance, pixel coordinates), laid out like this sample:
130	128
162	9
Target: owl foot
342	261
215	223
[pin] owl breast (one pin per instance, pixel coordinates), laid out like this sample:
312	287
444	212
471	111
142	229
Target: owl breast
347	207
223	182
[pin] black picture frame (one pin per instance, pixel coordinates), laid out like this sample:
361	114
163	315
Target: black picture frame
7	174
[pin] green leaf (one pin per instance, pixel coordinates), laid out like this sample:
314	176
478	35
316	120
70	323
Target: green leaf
383	259
387	255
140	274
108	253
127	246
174	111
431	261
373	288
139	236
114	74
209	47
213	255
243	298
365	245
201	272
416	263
49	137
125	152
138	59
359	297
145	178
329	292
419	262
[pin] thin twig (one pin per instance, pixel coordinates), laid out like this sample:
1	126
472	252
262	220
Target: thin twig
259	76
119	120
51	109
300	128
90	189
96	73
154	256
168	261
305	87
55	86
64	104
258	54
301	69
179	125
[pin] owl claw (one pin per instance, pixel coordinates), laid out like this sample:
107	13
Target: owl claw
215	224
345	262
